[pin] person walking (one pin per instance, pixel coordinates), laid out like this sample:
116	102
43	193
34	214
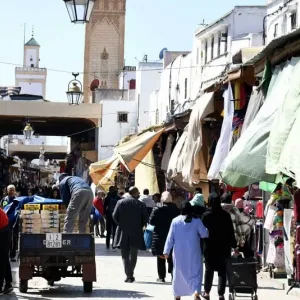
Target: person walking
161	218
99	205
9	204
110	203
5	269
149	202
217	247
198	205
227	205
131	217
184	237
77	196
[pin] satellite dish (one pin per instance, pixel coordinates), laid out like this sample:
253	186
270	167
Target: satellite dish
94	84
161	53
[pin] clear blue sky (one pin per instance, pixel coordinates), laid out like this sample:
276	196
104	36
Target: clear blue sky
150	26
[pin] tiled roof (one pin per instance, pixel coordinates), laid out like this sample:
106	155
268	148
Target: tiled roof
32	42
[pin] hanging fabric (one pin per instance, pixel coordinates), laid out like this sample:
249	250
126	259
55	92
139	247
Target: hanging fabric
223	145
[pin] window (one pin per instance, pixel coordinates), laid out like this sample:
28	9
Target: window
205	53
172	107
212	47
185	88
226	41
275	30
219	44
197	57
122	117
293	20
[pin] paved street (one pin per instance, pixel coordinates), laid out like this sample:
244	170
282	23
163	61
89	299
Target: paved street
111	284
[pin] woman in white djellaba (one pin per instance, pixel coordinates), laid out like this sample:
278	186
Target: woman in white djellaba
184	238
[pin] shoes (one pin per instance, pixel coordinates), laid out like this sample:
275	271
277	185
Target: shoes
161	280
130	280
103	236
13	259
7	290
205	296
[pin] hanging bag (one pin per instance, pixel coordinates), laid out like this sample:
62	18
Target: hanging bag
148	234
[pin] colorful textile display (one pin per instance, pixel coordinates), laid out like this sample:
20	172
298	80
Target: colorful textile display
297	206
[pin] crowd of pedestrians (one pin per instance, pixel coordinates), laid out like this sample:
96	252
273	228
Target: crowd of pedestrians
213	229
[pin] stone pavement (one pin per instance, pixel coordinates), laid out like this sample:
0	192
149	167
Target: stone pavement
110	283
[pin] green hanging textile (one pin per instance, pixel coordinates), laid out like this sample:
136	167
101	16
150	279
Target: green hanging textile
267	186
266	77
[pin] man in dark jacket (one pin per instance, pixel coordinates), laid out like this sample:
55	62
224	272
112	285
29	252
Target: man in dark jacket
131	216
161	218
218	246
77	196
110	203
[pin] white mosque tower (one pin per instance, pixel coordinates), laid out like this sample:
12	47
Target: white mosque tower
31	78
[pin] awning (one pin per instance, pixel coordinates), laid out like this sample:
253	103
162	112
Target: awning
246	162
284	135
103	172
204	106
245	54
131	153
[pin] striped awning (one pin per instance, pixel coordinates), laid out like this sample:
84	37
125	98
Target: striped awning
8	91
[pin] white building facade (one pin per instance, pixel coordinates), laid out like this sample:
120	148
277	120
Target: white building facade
119	118
282	18
217	42
148	79
31	78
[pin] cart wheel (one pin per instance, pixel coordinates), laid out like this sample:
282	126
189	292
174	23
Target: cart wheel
87	287
23	285
51	282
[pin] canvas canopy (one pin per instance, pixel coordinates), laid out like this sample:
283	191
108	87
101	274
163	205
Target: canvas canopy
246	162
131	153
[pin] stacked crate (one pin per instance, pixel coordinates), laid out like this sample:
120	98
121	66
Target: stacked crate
31	221
50	221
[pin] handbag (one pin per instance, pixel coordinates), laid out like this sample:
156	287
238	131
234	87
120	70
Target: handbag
148	234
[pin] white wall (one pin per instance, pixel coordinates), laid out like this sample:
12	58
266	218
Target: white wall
148	79
34	54
281	18
244	26
32	88
111	131
125	77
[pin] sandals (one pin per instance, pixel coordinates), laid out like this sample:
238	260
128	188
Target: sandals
197	297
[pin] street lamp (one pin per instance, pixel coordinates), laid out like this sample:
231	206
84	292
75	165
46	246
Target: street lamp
80	10
28	131
74	92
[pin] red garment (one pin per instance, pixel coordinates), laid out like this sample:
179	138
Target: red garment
260	210
98	203
237	192
3	219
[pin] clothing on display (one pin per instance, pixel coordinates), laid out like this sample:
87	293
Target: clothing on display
297	206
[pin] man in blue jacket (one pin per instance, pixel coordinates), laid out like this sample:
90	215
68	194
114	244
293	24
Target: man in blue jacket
78	197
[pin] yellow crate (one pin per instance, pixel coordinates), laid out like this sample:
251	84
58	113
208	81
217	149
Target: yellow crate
51	207
29	212
32	206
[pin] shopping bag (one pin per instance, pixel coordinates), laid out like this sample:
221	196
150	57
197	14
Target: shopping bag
148	236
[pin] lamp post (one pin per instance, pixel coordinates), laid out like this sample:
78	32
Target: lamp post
28	131
74	92
80	10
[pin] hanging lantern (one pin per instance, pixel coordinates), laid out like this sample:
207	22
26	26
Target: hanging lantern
80	11
74	92
28	131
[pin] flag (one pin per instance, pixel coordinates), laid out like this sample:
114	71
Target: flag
8	91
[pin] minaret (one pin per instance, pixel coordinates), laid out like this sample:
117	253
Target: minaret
31	78
104	45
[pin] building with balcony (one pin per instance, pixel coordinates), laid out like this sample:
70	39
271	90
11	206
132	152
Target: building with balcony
282	18
216	43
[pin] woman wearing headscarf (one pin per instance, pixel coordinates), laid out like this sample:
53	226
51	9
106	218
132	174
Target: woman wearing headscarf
184	237
198	205
217	247
161	218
